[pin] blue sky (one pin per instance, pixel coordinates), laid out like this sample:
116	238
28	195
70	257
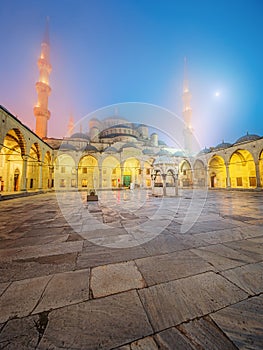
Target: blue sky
115	51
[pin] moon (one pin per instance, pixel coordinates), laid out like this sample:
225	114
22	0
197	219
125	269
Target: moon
217	93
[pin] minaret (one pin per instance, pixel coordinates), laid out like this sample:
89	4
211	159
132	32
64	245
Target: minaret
187	112
70	125
41	111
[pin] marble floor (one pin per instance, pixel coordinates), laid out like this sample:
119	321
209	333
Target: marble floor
132	271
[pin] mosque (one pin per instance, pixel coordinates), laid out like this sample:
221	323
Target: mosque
117	154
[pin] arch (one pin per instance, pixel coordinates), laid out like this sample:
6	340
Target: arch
146	175
242	169
47	171
131	172
65	172
199	173
11	160
217	172
260	163
185	174
33	168
111	172
88	173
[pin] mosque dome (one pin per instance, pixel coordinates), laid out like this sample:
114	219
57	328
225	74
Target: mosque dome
223	145
67	146
247	137
161	143
79	135
110	149
90	148
148	151
164	159
179	154
129	144
204	151
163	152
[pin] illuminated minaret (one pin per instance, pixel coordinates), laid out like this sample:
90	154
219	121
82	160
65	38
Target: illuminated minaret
187	112
41	111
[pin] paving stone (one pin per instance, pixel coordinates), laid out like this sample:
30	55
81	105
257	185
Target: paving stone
20	334
250	247
172	303
96	255
21	297
32	241
205	334
222	257
73	288
242	323
39	251
247	277
172	339
163	268
3	287
115	278
35	267
147	343
97	324
221	236
166	242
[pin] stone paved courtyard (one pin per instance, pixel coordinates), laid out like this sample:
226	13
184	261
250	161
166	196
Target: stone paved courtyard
124	273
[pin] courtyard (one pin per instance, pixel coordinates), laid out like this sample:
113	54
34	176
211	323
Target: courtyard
132	271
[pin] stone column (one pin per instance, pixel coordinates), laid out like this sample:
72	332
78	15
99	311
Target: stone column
258	174
77	177
142	178
100	177
164	184
40	177
23	184
228	184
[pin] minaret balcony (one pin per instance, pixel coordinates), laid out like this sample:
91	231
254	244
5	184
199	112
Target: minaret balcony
43	87
41	112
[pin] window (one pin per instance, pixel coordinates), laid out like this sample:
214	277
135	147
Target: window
184	172
62	183
73	183
239	181
148	171
114	171
84	183
84	170
63	170
252	181
31	183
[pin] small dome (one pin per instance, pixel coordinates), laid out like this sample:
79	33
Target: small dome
164	160
223	145
90	148
247	138
163	152
161	143
129	144
111	149
179	154
204	151
148	151
79	135
67	146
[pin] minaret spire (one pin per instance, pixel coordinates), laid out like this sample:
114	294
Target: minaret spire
41	111
187	111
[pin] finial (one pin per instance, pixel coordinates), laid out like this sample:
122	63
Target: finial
46	34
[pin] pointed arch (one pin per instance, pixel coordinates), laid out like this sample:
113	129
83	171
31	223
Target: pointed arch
217	172
242	169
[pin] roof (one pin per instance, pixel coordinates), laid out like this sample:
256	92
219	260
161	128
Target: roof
67	146
248	137
223	145
164	160
90	148
79	135
111	149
